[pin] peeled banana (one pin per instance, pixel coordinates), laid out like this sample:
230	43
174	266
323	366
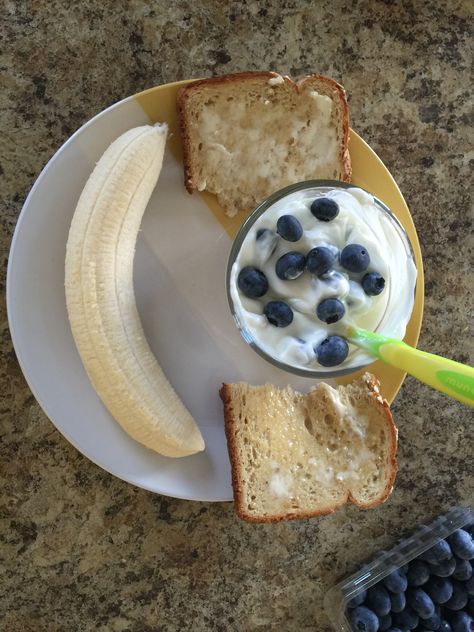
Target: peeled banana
100	297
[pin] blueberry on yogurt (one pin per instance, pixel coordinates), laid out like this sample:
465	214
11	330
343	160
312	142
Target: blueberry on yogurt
330	310
332	351
278	313
320	260
266	241
373	283
289	228
252	282
290	266
325	209
263	233
355	258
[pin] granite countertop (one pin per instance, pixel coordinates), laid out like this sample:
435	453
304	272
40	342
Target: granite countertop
82	550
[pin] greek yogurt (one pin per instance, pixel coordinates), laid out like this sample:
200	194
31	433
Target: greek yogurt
360	221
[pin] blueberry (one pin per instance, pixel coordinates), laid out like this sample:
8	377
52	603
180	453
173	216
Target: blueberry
330	310
385	623
439	589
289	228
433	622
278	313
324	209
444	627
469	585
394	630
470	529
373	283
469	607
252	282
463	570
355	258
462	544
439	552
406	619
263	233
398	602
459	597
378	600
332	351
418	573
320	260
421	602
364	620
266	243
396	582
445	568
462	622
357	600
290	266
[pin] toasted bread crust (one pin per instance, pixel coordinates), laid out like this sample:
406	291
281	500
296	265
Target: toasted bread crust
344	155
237	483
373	386
185	92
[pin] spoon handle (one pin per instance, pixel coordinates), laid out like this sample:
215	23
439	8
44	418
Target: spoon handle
449	377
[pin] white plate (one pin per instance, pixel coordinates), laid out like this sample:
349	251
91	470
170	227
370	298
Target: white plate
180	287
179	275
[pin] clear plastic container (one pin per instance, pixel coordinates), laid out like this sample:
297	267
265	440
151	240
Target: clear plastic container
409	548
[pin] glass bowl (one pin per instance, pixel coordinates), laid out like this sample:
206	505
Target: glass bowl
389	324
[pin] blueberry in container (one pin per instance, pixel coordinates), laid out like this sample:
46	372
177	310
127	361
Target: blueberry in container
425	582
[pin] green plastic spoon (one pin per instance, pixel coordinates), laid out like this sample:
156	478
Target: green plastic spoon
449	377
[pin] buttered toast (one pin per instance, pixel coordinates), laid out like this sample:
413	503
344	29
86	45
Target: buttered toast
247	135
297	456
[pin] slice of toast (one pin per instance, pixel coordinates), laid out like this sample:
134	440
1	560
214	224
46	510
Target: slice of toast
296	456
248	135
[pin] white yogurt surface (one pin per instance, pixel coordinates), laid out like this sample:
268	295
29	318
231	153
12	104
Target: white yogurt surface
360	221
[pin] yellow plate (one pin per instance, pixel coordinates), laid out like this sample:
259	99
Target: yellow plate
369	172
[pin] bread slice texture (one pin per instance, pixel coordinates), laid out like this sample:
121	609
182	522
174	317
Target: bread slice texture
250	134
296	456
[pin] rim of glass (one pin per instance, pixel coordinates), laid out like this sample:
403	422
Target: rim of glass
237	244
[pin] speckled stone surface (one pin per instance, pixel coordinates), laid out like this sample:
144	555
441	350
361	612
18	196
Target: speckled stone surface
81	550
